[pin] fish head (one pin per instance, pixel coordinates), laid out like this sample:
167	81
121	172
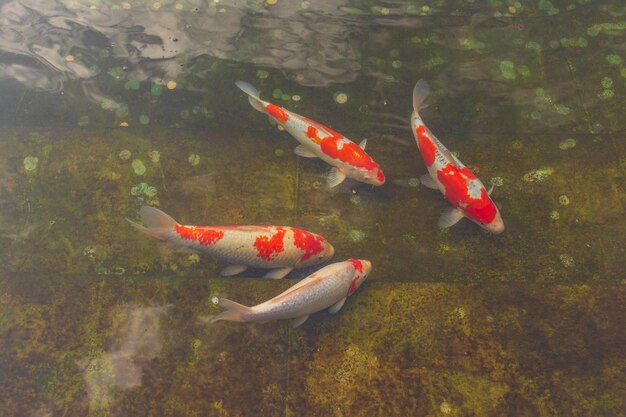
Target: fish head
496	226
373	175
316	252
362	268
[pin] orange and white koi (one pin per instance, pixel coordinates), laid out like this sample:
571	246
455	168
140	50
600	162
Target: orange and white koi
327	288
279	248
318	141
459	185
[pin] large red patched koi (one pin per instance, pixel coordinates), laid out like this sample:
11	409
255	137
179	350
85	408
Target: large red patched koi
277	248
459	185
318	141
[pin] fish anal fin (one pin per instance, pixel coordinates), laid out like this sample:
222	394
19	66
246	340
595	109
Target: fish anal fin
232	270
335	177
304	152
428	181
450	217
278	273
298	321
337	306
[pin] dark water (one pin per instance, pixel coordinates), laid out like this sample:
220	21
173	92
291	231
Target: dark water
106	106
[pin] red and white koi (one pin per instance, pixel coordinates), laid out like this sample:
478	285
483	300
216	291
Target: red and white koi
327	288
459	185
279	248
318	141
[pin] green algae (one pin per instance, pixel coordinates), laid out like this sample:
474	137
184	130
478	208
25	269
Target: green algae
471	44
535	46
132	85
155	156
156	89
538	175
507	70
566	144
262	74
614	59
138	167
30	164
547	7
125	155
193	159
143	189
562	109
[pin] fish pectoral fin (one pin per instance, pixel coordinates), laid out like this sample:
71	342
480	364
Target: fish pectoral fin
450	217
363	144
304	152
428	181
490	189
278	273
298	321
337	306
232	270
335	177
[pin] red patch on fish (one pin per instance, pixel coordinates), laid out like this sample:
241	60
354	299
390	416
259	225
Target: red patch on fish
338	147
269	248
426	145
277	112
203	235
311	133
308	242
358	266
455	181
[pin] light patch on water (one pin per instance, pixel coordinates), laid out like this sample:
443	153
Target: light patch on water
137	337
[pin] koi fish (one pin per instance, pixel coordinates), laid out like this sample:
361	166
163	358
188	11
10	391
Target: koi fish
279	248
318	141
459	185
327	288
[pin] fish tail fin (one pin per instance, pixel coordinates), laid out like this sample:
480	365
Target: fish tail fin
253	94
234	311
156	222
420	92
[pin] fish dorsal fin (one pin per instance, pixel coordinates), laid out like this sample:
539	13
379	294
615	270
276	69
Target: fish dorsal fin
363	144
251	228
310	280
446	153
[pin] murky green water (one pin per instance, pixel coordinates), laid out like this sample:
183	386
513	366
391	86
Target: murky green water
106	106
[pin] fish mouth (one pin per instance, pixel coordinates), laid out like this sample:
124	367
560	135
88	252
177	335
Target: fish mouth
330	251
367	266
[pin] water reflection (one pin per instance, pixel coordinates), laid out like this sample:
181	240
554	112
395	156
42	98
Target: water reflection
53	42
